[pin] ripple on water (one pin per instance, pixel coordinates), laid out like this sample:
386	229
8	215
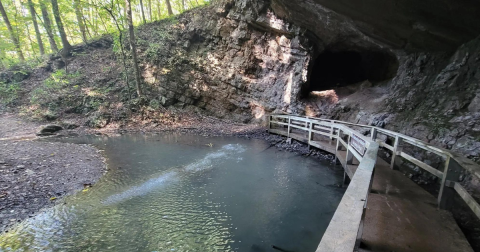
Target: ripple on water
165	196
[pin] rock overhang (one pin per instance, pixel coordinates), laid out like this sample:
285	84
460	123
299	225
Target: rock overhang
412	25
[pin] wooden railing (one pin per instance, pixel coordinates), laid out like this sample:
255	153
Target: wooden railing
345	229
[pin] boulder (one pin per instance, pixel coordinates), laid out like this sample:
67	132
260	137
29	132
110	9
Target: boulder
49	130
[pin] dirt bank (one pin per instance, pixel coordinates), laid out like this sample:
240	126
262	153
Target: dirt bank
35	174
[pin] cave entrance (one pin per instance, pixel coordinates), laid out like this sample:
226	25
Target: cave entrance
335	69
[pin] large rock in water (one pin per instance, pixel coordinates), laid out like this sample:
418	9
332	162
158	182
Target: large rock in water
49	130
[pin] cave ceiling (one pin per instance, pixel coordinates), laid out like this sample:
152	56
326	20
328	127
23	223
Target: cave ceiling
415	25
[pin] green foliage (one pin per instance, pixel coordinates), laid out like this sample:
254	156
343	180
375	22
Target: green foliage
55	84
154	104
117	44
162	35
57	80
172	20
153	51
94	15
8	92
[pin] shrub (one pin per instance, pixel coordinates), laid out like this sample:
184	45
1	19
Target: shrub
8	92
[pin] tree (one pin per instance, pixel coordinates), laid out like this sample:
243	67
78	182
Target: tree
133	46
79	15
12	34
150	10
68	22
48	27
120	42
169	7
35	25
66	45
159	9
143	13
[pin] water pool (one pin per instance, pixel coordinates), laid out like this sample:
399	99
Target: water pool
189	193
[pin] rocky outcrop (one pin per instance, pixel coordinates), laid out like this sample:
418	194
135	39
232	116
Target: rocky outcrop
234	60
239	60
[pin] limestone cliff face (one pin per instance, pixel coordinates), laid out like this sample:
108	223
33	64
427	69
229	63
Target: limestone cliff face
239	60
234	60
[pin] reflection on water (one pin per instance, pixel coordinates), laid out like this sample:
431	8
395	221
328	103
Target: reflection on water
225	153
189	193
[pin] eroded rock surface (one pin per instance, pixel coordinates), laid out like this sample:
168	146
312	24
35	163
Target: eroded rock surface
233	60
239	60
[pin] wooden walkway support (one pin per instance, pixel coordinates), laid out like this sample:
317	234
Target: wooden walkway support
358	155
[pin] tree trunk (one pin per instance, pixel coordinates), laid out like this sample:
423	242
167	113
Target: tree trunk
32	44
159	10
150	10
169	7
103	23
133	46
86	27
95	31
124	55
143	13
183	5
81	25
48	27
35	25
56	13
12	34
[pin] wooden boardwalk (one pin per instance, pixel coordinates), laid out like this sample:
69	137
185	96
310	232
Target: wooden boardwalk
400	215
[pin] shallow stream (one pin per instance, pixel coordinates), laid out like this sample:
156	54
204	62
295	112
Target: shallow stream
189	193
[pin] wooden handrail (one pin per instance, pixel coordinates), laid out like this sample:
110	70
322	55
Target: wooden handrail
345	228
466	163
346	224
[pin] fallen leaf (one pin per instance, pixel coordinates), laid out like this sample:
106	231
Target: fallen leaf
85	190
53	198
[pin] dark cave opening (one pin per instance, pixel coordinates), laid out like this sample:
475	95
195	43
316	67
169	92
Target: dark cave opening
334	69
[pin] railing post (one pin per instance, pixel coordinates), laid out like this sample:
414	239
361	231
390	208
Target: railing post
339	146
288	130
349	153
373	133
306	127
451	174
396	149
310	134
331	132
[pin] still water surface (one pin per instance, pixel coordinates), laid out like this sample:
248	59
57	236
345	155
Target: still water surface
189	193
